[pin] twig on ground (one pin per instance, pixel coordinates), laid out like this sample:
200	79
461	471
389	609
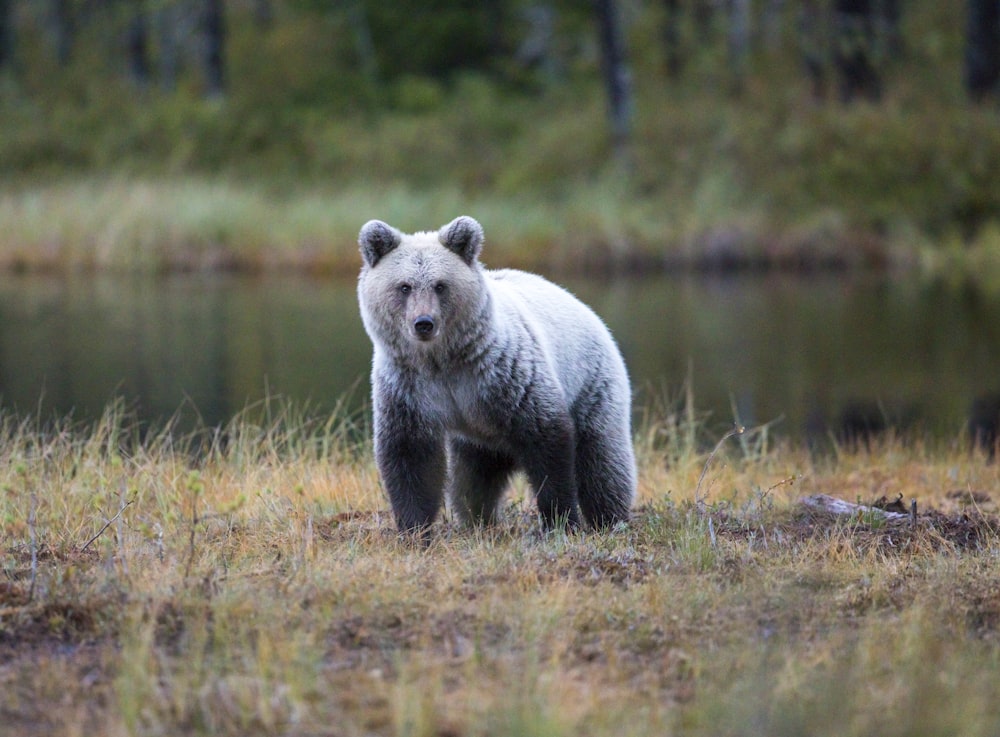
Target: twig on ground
32	520
106	525
119	532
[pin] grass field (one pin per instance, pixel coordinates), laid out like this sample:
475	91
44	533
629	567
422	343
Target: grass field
250	582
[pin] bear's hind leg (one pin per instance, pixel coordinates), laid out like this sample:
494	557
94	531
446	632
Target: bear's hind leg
548	461
477	478
605	477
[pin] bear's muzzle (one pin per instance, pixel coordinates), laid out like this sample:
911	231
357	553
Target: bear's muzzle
423	327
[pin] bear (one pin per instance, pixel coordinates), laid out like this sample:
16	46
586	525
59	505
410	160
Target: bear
479	373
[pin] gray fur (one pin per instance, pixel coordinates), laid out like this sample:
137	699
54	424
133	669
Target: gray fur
479	373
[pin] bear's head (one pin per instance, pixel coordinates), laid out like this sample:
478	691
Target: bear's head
421	293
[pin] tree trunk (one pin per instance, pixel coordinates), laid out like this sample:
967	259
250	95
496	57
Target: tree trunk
856	37
215	48
771	23
167	21
672	37
535	51
891	20
137	46
63	29
704	19
982	48
739	41
363	42
617	77
6	34
813	45
263	13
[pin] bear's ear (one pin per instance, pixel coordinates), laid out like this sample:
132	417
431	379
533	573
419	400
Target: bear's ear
464	236
376	240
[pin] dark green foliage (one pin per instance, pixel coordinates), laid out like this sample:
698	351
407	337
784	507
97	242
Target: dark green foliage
433	38
444	93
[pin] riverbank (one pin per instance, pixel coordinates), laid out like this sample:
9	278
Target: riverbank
128	224
261	588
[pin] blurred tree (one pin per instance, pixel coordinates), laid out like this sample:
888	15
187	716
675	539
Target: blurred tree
672	37
855	37
617	76
362	32
536	49
704	18
62	23
263	13
6	33
856	26
889	22
137	45
214	26
812	35
739	41
169	17
434	38
982	48
677	29
772	22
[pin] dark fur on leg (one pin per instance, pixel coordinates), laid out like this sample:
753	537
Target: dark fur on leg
604	482
413	472
549	465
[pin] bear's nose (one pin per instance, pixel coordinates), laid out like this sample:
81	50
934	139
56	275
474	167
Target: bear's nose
424	326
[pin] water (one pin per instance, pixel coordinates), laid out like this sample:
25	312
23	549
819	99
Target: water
804	354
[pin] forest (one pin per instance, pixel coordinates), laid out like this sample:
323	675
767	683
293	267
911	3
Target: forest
630	133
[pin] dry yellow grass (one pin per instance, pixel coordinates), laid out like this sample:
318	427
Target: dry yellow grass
251	582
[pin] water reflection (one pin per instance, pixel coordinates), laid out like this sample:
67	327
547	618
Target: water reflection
201	347
818	355
813	354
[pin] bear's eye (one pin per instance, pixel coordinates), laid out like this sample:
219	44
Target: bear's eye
405	289
440	287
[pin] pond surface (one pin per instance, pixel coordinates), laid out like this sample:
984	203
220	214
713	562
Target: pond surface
805	354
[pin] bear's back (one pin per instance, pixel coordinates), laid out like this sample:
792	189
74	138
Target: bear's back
576	340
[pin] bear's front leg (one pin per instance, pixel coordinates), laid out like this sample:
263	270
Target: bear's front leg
413	473
412	463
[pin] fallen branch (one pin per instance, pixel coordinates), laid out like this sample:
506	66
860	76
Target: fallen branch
832	505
